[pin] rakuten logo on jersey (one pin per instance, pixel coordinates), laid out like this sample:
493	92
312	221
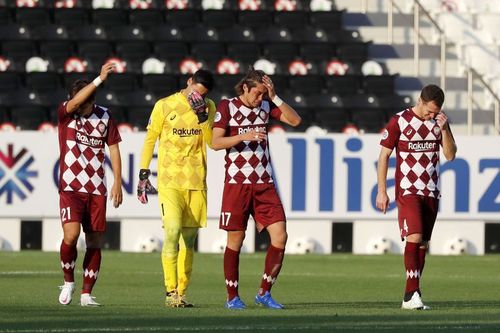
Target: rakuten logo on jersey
89	141
422	146
182	132
249	129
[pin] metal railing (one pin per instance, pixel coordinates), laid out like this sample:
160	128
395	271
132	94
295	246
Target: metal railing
471	73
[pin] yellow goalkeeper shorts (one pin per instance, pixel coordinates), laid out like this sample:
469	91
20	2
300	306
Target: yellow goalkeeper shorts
188	206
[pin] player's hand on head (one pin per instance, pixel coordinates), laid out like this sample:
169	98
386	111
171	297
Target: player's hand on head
441	119
144	186
106	69
268	83
198	105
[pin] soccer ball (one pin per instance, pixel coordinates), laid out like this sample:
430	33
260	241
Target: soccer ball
456	246
379	246
303	246
151	244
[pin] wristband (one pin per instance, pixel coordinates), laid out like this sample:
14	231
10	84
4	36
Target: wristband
97	81
277	101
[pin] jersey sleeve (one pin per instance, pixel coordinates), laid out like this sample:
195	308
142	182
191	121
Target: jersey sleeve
61	112
222	116
391	133
113	133
275	112
156	118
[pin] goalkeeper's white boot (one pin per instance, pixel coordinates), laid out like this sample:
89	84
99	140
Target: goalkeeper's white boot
88	300
415	303
67	290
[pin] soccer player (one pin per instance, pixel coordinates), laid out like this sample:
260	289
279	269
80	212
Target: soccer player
84	130
182	122
417	134
240	127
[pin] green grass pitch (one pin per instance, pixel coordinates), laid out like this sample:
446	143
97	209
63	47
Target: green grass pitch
322	293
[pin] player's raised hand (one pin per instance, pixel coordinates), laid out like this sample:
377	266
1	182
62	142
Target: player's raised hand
106	69
197	103
441	119
268	83
144	186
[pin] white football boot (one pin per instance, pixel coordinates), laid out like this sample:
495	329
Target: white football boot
88	300
66	295
415	303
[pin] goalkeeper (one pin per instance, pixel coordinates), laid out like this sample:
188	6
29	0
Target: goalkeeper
182	122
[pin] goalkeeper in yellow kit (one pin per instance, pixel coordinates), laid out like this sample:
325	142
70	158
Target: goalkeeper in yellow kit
182	122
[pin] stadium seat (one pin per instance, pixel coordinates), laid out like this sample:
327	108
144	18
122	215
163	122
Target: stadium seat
294	99
108	98
360	101
208	50
4	114
9	81
226	83
324	101
139	117
5	15
344	36
160	85
119	114
69	78
280	83
96	51
32	17
170	50
87	33
236	33
28	117
125	33
327	20
307	34
316	51
353	52
182	18
255	19
19	51
14	31
378	84
109	17
123	82
73	17
50	32
370	121
200	33
273	34
165	33
243	51
219	19
307	84
146	18
290	19
135	51
342	84
283	52
140	98
333	120
42	81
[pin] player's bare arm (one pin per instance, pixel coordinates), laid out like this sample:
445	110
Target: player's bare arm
116	195
82	96
220	141
382	200
449	145
288	115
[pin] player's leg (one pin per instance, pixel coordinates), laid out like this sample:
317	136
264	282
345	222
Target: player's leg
70	212
430	210
94	226
269	213
171	206
410	225
236	200
185	263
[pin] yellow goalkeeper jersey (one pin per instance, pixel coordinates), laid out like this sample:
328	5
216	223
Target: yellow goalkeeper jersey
182	153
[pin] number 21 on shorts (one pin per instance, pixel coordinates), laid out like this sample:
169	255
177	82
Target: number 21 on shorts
65	214
225	216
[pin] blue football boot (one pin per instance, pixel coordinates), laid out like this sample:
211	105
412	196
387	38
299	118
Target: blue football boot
267	301
236	303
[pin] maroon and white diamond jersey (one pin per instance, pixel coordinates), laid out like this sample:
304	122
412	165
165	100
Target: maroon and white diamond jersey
82	150
248	162
417	142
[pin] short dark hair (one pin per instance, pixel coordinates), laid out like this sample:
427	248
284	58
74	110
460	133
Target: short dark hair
77	86
205	78
251	79
432	93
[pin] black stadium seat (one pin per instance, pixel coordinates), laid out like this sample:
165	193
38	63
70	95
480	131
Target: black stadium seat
146	18
219	18
42	81
71	17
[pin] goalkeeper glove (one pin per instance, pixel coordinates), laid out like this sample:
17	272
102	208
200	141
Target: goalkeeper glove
144	187
197	103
